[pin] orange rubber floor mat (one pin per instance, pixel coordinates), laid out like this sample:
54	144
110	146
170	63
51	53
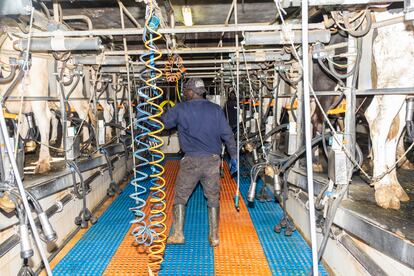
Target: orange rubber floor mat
239	252
131	259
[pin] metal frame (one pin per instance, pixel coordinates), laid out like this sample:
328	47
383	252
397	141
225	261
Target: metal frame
390	244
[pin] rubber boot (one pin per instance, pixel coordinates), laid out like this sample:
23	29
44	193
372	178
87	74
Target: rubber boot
213	222
177	236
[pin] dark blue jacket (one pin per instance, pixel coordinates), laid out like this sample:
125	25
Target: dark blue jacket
202	127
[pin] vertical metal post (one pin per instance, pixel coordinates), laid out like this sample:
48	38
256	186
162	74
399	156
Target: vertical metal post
350	97
131	119
308	135
275	92
237	92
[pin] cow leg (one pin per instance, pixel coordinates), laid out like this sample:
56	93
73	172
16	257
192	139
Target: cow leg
82	110
42	115
391	146
108	114
54	130
388	192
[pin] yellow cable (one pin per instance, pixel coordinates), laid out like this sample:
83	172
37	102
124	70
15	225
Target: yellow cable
177	91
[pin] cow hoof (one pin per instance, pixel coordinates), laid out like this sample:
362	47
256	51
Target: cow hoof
317	167
407	165
386	197
6	204
30	146
399	192
42	167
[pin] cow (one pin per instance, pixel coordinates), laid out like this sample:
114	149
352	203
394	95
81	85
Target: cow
81	107
387	112
34	84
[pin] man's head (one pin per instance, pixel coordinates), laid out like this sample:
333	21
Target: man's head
194	89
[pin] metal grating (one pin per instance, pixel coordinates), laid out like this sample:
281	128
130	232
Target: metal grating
131	259
94	250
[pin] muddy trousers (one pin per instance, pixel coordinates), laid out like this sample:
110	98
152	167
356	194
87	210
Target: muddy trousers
193	169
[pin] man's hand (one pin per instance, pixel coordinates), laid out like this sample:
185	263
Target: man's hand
233	167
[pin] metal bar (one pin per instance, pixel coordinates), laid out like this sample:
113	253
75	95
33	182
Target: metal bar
297	3
80	17
128	14
308	135
197	50
237	95
251	27
226	22
279	38
131	119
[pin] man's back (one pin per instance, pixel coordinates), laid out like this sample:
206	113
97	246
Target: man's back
201	127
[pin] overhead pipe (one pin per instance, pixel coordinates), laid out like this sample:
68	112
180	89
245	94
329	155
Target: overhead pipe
297	3
60	44
282	38
250	27
79	17
262	56
99	60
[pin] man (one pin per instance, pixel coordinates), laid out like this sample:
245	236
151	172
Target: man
202	127
230	110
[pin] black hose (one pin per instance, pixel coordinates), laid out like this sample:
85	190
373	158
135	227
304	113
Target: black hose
292	102
10	77
73	86
12	86
361	32
354	69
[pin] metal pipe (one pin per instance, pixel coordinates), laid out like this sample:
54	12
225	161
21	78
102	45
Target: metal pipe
262	56
237	95
99	60
226	22
250	27
60	44
128	14
282	38
364	259
297	3
368	92
126	61
196	50
308	134
80	17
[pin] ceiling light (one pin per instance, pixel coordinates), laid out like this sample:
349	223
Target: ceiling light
188	18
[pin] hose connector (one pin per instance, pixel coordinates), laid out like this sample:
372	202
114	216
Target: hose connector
26	250
277	184
48	231
252	192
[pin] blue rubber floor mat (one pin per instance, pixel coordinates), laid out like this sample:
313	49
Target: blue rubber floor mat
285	255
93	252
195	257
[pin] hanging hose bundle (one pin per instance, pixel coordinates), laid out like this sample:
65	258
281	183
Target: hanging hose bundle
171	74
153	234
